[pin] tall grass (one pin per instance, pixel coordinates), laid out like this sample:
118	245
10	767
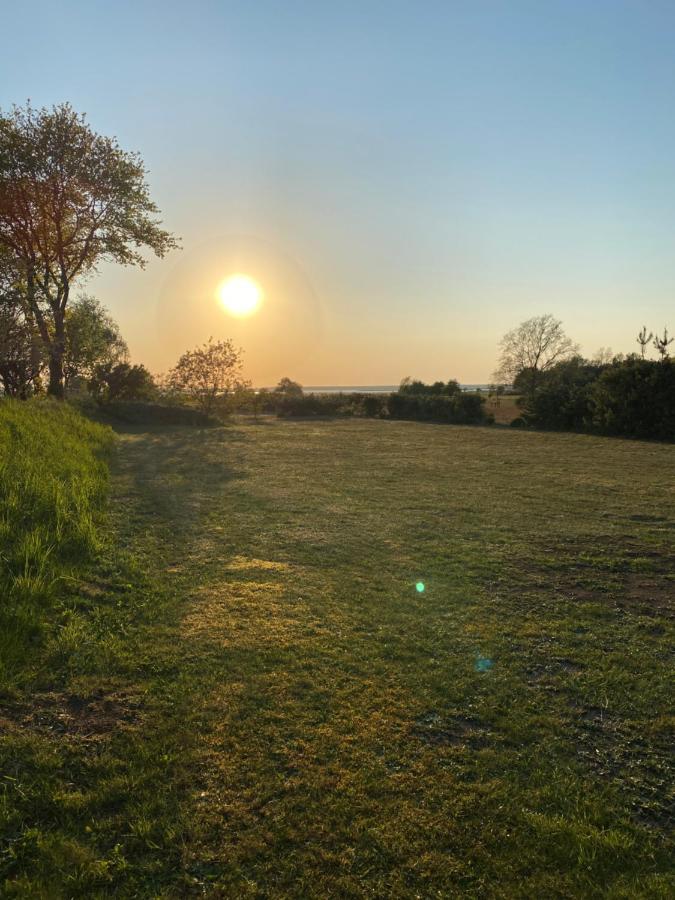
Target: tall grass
53	481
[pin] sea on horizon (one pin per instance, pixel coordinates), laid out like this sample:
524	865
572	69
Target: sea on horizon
370	388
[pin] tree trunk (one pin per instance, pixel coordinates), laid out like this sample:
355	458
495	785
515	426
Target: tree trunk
56	388
57	348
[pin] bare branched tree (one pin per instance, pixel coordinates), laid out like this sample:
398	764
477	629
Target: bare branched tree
603	356
69	199
533	347
643	339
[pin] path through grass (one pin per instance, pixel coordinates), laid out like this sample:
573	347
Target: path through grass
287	715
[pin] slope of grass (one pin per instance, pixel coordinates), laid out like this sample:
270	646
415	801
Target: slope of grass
53	483
255	698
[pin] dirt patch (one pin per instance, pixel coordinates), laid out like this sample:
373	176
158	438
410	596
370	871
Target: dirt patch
456	731
648	596
615	751
94	717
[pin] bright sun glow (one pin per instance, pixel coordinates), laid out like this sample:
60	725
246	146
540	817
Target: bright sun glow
240	295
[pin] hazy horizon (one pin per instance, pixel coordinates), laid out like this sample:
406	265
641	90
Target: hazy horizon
405	182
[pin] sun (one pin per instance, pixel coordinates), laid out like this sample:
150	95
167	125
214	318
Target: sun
240	295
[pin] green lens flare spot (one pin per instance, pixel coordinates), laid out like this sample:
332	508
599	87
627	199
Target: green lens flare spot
483	664
419	587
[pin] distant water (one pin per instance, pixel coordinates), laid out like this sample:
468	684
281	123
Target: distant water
371	388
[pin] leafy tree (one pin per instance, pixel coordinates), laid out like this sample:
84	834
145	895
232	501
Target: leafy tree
93	340
21	356
289	388
121	381
208	374
532	348
21	362
69	199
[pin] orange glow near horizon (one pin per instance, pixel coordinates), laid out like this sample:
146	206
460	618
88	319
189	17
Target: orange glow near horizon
240	295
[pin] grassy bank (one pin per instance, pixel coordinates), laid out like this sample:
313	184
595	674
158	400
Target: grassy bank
258	700
53	482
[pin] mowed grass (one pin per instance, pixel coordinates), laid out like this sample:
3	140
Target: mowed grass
261	703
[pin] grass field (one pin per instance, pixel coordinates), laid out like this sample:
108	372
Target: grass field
249	696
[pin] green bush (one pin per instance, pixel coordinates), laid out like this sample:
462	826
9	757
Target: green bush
53	483
562	399
138	413
313	405
458	409
374	406
635	398
631	397
438	388
122	381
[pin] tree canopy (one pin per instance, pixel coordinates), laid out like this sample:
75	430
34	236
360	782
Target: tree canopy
93	339
289	388
208	373
69	199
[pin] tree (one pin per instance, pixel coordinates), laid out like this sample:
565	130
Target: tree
438	388
662	344
21	362
603	356
562	399
532	348
93	339
636	398
69	199
121	381
21	356
643	339
289	388
208	374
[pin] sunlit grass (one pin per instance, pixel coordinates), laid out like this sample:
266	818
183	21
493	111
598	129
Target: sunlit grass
52	484
254	698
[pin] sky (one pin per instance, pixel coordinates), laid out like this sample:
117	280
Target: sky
406	181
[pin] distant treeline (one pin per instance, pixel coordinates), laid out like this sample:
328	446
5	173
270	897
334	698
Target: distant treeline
439	402
632	397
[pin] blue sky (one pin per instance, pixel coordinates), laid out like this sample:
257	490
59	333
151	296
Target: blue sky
409	180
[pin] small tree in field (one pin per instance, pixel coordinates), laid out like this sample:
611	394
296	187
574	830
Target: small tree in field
69	199
289	388
208	374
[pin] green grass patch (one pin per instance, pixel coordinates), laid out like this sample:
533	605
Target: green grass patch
254	698
53	483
